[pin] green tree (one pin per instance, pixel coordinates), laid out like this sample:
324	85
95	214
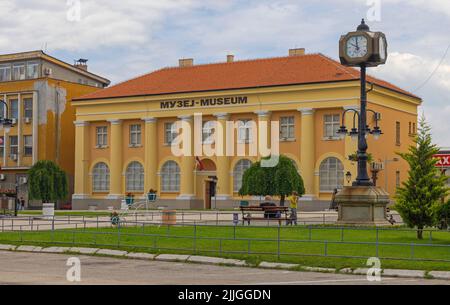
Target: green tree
280	180
418	198
47	182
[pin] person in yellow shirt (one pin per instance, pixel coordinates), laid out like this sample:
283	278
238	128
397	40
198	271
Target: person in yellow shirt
293	204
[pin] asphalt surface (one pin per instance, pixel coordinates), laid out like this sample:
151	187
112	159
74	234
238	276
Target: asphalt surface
41	268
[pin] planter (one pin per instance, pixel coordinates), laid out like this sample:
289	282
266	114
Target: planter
48	210
129	200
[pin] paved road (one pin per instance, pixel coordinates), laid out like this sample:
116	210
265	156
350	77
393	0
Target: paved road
40	268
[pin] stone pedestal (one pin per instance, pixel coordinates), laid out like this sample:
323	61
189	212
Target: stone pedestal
362	205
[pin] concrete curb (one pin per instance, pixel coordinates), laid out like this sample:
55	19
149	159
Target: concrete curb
7	247
138	255
172	258
216	261
402	273
270	265
110	252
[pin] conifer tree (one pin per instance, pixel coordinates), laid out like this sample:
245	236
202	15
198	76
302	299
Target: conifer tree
418	199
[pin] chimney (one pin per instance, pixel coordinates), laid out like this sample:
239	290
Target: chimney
297	52
81	64
186	62
230	58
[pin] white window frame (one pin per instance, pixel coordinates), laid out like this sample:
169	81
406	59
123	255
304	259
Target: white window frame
101	136
35	66
28	146
15	102
245	131
287	127
334	123
170	132
5	72
28	109
331	174
170	177
100	178
134	177
13	148
135	135
208	132
21	69
238	173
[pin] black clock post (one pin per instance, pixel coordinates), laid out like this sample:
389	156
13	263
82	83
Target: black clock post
362	203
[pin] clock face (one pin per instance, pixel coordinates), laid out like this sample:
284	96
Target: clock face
356	46
382	48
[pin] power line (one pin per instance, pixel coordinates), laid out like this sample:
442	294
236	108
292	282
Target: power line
434	71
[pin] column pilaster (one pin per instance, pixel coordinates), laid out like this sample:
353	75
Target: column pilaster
223	161
115	159
82	159
151	154
307	151
187	161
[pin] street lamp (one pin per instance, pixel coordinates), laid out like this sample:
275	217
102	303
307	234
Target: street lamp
348	176
5	122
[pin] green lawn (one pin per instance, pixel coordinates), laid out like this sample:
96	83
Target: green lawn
298	244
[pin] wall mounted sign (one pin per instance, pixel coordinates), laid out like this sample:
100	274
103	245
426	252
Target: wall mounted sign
204	102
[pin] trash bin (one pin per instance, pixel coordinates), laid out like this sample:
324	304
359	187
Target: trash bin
169	217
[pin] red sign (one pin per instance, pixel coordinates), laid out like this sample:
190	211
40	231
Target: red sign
444	160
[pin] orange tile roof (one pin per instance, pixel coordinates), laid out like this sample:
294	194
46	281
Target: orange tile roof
291	70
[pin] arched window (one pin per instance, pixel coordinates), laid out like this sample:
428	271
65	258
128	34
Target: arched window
170	177
331	174
100	178
135	177
238	173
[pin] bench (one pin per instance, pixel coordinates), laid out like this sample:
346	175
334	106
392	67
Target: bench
267	210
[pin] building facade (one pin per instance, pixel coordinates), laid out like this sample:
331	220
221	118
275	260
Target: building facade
124	133
38	89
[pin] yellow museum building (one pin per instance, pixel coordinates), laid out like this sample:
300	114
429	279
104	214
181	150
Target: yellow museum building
124	132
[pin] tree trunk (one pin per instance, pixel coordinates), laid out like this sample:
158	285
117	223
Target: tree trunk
419	232
282	200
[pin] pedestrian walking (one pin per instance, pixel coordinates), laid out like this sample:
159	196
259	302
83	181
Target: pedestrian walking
293	205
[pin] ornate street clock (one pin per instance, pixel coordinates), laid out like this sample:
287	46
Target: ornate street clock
363	47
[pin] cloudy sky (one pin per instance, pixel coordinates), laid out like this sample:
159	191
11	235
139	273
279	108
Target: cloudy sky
123	39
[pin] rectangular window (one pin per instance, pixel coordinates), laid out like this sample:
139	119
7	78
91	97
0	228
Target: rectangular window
28	145
2	146
208	131
14	104
19	71
414	128
331	125
410	128
287	128
13	147
169	133
5	73
102	136
244	131
32	69
397	133
135	135
28	107
397	179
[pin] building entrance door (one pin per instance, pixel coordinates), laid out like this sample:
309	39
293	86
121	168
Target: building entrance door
207	197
